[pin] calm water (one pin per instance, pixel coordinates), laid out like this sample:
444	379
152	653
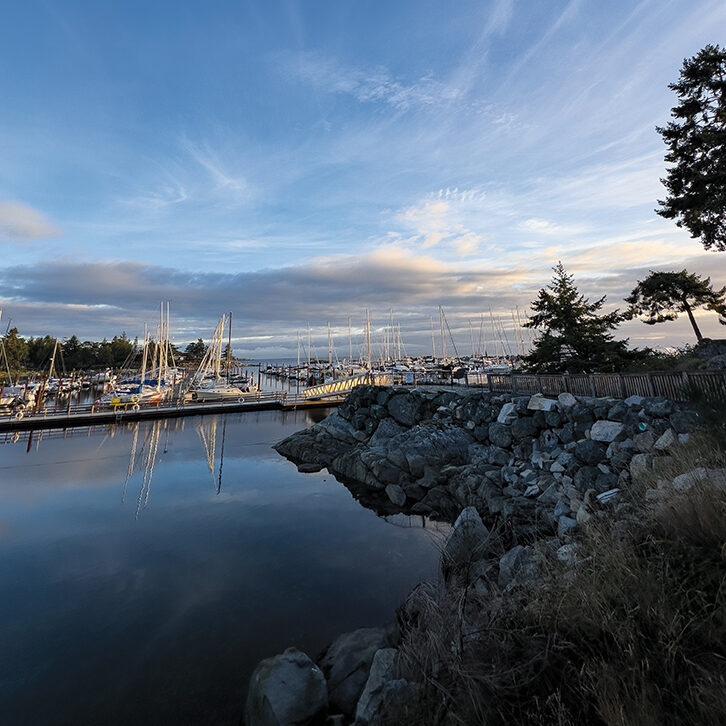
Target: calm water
145	570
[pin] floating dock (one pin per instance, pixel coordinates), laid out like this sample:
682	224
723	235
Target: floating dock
92	415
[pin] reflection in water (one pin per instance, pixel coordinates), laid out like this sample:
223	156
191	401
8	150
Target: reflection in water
162	615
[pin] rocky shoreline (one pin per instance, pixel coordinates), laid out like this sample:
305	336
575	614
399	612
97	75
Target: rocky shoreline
519	476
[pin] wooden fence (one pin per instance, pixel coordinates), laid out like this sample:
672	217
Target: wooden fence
671	384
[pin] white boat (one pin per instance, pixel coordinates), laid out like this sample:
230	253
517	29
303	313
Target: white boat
208	384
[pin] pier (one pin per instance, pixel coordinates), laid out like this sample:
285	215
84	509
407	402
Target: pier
91	414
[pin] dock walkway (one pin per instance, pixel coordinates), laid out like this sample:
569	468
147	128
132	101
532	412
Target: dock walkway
91	415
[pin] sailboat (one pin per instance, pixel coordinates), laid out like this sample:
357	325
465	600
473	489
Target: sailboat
208	383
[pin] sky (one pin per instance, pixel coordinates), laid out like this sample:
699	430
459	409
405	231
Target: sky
299	162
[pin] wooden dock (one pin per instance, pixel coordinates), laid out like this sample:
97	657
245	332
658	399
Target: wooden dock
92	415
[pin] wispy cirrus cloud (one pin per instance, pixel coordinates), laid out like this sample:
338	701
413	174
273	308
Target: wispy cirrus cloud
368	85
20	223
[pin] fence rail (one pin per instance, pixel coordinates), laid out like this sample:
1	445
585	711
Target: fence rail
676	385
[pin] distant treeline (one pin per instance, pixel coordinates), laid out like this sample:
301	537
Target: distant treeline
34	354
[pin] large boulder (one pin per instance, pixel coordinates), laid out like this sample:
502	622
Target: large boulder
347	663
405	408
539	403
286	690
379	686
467	540
606	431
500	435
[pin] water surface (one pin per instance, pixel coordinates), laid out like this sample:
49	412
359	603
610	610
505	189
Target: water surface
146	569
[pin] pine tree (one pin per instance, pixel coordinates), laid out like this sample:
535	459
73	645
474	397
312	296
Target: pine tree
696	140
574	336
664	295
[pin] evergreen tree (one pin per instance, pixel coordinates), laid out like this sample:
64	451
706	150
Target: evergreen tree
194	352
696	140
663	295
15	351
574	336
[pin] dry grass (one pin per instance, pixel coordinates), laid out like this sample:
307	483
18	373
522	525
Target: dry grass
635	635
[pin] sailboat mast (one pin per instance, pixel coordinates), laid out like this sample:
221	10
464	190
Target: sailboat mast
433	338
494	334
350	344
368	340
229	348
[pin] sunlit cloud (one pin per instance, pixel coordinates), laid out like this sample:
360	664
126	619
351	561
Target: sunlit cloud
20	223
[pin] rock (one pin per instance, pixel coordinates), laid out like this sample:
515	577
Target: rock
309	468
590	452
684	482
565	526
639	464
507	413
586	477
396	494
347	663
405	408
684	422
500	435
666	441
531	491
658	407
645	441
387	430
523	428
606	431
380	682
634	401
567	554
467	539
286	690
608	496
539	403
566	400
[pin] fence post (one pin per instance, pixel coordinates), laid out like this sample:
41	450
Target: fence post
684	376
564	383
651	390
622	386
513	380
591	378
489	382
539	383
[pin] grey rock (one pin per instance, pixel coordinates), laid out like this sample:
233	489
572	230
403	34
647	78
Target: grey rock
507	413
380	681
606	431
286	690
531	491
567	554
467	540
396	494
565	526
634	401
639	465
347	663
684	422
566	400
500	435
658	407
538	402
666	441
561	508
405	408
387	430
590	452
524	428
586	477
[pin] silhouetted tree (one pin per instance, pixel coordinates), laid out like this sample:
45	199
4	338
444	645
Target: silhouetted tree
696	140
194	352
664	295
574	335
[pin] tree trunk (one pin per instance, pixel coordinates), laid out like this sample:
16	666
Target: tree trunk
687	308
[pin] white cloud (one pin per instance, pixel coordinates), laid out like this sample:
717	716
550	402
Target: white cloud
20	222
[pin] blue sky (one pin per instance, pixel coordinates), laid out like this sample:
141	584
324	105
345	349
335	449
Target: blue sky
297	162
